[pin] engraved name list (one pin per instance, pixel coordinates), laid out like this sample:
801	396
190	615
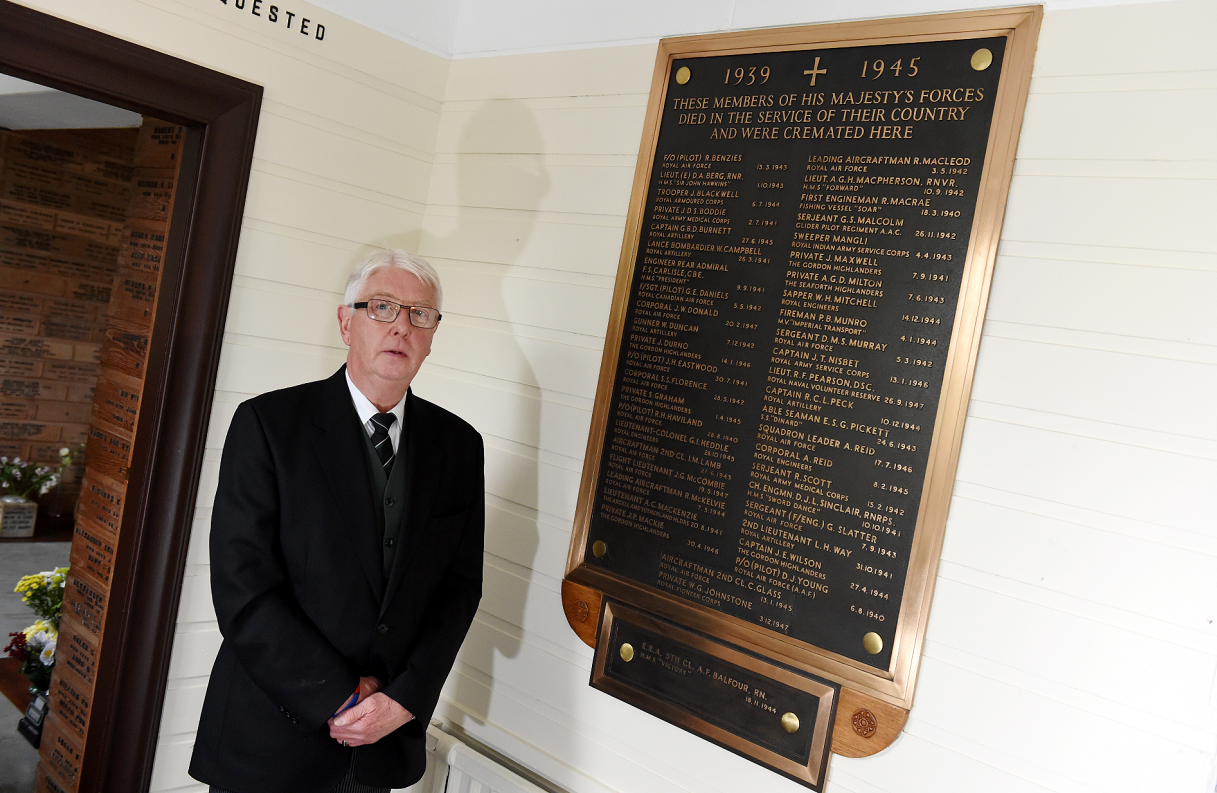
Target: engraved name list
789	319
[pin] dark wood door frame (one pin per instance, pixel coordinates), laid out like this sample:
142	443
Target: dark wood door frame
221	116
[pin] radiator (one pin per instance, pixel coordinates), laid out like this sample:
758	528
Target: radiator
455	767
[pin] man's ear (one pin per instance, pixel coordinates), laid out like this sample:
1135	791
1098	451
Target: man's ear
344	323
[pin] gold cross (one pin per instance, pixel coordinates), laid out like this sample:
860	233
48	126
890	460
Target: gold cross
814	70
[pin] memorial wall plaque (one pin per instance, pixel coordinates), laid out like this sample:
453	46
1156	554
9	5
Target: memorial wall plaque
742	702
807	257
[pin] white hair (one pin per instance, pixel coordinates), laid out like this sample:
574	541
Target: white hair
379	260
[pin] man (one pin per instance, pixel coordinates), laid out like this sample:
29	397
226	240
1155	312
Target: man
346	559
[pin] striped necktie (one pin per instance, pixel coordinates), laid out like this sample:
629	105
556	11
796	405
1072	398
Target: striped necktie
380	439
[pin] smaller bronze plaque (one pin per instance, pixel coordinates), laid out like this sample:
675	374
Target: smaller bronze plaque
772	715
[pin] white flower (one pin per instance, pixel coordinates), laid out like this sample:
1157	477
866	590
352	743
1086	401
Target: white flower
65	451
47	656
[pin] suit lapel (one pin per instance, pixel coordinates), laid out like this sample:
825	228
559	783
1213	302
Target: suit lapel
427	461
342	456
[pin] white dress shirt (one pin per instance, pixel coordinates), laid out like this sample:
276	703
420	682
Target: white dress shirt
366	410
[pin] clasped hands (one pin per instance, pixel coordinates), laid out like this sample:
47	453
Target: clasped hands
372	718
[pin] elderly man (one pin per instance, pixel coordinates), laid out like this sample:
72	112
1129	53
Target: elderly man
346	559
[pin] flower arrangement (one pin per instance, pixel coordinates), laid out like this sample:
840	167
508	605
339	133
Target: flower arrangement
35	646
22	479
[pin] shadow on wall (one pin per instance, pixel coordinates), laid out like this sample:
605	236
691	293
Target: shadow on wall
500	183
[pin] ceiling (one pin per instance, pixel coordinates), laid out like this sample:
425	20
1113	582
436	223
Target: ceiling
26	105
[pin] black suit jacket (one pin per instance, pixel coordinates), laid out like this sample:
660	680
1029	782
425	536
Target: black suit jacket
301	598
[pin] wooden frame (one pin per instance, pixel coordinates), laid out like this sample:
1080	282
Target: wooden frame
895	686
221	117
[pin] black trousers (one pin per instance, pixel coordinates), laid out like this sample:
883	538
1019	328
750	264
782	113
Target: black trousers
348	784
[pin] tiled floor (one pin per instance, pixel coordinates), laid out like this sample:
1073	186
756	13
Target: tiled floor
17	757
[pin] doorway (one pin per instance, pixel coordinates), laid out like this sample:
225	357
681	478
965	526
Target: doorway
134	617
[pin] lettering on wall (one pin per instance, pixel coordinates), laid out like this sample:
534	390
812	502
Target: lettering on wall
281	16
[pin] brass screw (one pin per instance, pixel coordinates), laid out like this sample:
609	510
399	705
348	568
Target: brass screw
627	652
790	723
982	59
872	643
599	548
683	74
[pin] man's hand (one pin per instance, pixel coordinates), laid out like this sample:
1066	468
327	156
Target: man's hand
367	687
369	721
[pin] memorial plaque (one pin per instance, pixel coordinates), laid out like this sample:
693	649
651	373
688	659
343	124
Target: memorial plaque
21	388
84	373
152	193
60	753
77	649
116	402
18	367
86	600
71	699
101	501
741	702
27	347
93	548
806	264
143	245
108	450
45	783
125	350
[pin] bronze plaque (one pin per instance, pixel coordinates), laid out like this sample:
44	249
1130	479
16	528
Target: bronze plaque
764	712
795	325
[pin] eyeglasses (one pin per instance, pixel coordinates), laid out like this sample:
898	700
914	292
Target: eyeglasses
383	310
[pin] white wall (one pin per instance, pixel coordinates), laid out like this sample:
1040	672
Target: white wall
1071	646
480	28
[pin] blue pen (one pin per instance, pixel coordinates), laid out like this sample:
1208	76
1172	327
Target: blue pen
349	705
